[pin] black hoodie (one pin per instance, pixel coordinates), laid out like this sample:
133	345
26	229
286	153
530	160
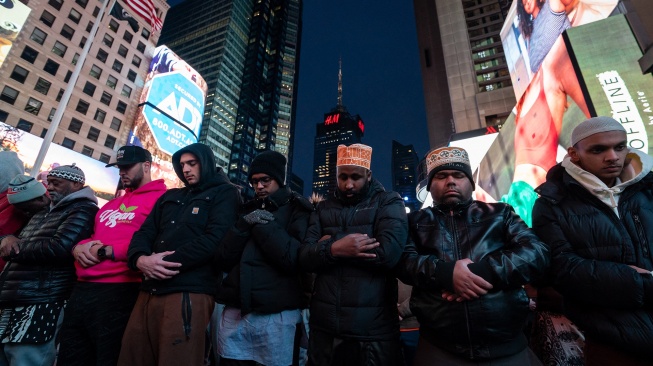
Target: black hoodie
190	221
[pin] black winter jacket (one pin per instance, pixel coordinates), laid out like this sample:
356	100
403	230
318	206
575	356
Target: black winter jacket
190	221
356	298
262	260
43	271
505	253
591	249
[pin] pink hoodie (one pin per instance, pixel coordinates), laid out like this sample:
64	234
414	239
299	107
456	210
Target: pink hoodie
115	224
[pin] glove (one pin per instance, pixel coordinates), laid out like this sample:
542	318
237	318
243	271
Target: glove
258	217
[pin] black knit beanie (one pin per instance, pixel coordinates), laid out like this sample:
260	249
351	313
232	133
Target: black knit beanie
271	163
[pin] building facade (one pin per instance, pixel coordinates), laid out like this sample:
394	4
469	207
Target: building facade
404	174
464	73
41	60
248	53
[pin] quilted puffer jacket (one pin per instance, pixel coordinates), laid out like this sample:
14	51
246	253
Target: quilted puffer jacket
43	270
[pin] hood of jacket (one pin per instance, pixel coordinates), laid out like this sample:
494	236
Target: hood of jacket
85	193
210	174
368	191
153	186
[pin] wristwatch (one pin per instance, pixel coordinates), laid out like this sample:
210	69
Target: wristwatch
102	253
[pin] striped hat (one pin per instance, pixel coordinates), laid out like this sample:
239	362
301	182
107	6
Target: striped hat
448	158
68	172
356	154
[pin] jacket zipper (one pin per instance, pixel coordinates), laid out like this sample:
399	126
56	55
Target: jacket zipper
641	234
457	256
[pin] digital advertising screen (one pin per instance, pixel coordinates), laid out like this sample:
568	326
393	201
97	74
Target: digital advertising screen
170	112
13	15
533	26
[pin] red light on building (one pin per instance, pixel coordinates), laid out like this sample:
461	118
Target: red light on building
332	119
361	125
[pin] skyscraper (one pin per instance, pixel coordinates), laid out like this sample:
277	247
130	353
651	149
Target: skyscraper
248	53
464	73
338	128
404	173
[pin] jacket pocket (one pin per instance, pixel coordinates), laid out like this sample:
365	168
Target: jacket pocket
197	212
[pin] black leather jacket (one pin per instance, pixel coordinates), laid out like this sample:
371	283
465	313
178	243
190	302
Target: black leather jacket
505	252
43	271
262	259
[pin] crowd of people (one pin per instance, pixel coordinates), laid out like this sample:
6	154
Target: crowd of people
195	276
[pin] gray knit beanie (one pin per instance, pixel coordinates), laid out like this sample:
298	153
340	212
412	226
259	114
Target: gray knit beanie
69	172
24	188
593	126
10	166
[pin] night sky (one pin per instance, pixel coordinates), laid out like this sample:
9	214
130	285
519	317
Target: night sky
381	77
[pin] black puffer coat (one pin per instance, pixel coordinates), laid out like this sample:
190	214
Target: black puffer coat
190	221
262	260
43	271
591	249
356	298
505	253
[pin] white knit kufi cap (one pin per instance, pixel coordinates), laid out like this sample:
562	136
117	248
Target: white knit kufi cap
593	126
69	172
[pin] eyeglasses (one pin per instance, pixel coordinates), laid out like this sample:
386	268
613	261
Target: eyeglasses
265	181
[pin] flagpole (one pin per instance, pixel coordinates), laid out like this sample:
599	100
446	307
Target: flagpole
56	120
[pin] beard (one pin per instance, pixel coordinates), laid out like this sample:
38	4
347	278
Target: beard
356	197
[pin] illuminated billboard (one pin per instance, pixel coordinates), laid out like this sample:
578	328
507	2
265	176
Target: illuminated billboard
13	15
533	26
170	111
102	180
535	136
339	120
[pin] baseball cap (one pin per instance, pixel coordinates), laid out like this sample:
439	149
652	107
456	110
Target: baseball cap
131	154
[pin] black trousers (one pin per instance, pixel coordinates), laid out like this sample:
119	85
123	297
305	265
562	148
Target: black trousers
94	320
327	350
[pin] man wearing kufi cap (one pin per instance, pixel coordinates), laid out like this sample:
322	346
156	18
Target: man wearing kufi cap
354	241
467	262
39	276
596	212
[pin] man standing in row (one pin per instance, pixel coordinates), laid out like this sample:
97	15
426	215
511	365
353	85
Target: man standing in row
595	211
263	292
40	275
174	249
467	262
106	289
353	242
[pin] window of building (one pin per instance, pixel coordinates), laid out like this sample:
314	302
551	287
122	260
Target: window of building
89	26
95	72
19	74
75	125
131	75
96	11
3	116
104	158
106	98
121	107
75	58
60	95
59	49
128	37
93	134
82	3
67	31
100	115
44	132
47	18
145	33
111	82
68	143
75	16
56	4
126	91
102	55
24	125
122	51
110	142
107	40
140	46
51	67
42	86
89	88
51	115
87	151
136	61
82	42
68	75
9	95
38	36
117	65
82	107
115	124
113	25
29	54
33	106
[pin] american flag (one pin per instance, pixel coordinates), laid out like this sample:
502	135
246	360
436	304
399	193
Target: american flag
145	9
